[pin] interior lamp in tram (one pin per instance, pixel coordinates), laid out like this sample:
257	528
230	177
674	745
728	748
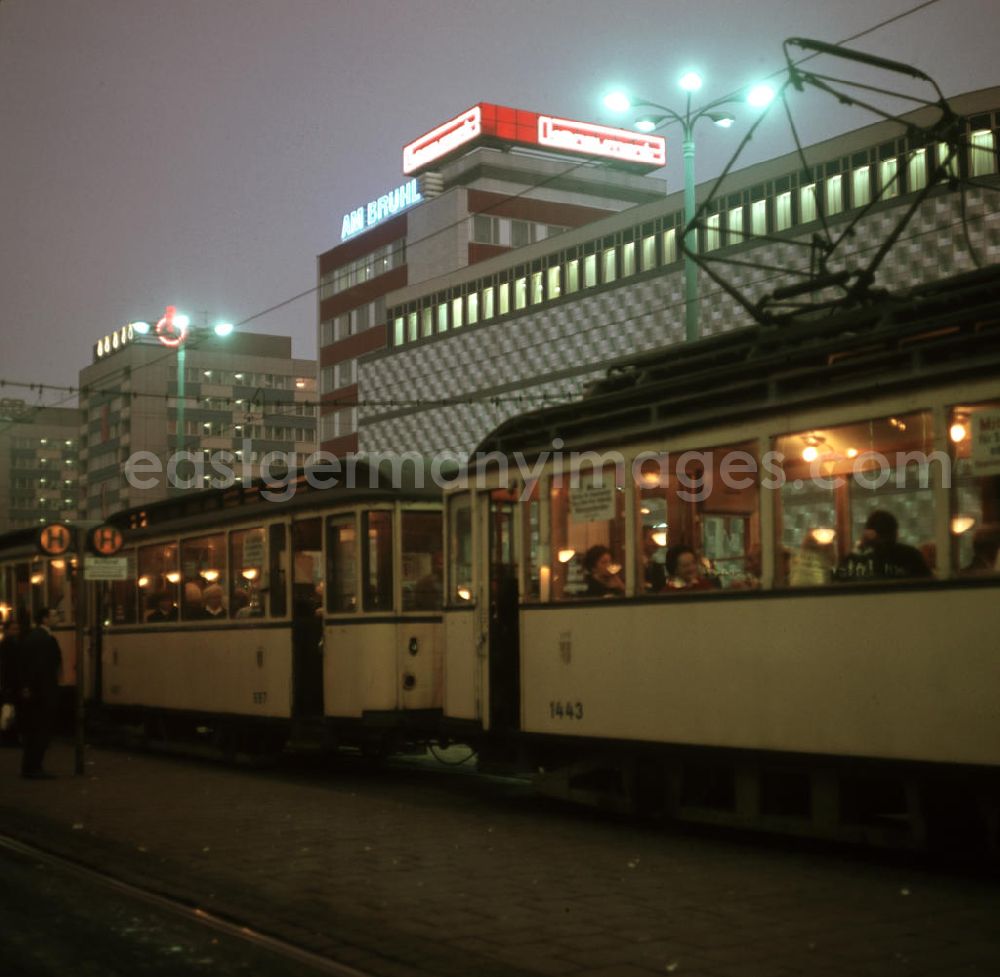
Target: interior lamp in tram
210	575
173	577
824	535
565	555
143	581
464	592
37	579
58	564
811	450
958	432
659	534
250	573
962	524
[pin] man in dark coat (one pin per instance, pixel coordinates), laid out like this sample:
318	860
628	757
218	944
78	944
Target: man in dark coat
882	556
40	665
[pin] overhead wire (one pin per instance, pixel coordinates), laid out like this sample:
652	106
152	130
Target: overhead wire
193	344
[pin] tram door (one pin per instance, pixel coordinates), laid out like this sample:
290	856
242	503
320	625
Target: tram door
307	618
504	668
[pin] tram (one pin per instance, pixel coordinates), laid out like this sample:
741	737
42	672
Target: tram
654	595
255	615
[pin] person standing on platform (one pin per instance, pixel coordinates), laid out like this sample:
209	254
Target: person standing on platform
38	679
10	659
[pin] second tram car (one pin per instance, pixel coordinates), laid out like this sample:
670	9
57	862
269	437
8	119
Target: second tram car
681	594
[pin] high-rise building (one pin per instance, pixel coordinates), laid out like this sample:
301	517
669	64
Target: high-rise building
244	396
491	180
39	464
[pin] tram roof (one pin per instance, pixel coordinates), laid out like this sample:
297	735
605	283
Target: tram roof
211	507
934	334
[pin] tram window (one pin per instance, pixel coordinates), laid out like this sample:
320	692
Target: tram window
37	580
341	564
377	561
588	511
159	577
974	433
835	478
278	577
705	501
531	543
423	561
460	549
307	568
60	593
203	571
246	558
123	594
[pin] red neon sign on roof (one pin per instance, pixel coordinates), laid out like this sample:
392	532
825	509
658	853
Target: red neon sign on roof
497	124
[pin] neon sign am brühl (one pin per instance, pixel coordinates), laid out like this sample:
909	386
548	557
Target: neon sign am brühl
361	218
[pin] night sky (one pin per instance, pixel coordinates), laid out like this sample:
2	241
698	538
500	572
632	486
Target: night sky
201	153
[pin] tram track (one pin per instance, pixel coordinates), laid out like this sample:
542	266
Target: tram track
190	914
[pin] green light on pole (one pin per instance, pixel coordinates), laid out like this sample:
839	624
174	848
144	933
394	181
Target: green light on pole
758	96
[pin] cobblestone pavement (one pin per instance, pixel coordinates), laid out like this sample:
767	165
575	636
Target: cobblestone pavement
404	873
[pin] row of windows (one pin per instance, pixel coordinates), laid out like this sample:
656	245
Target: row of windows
858	502
23	442
597	263
338	423
353	322
779	205
363	269
339	375
508	232
238	378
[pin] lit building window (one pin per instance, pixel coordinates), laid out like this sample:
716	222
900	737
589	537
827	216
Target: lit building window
628	259
861	188
426	321
554	287
610	264
520	292
984	156
916	169
758	217
398	334
712	232
488	302
670	246
950	164
456	313
537	288
735	225
473	308
504	289
648	252
807	203
442	316
888	178
572	276
590	271
783	211
411	326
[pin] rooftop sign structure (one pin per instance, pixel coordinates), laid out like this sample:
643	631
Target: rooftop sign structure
496	125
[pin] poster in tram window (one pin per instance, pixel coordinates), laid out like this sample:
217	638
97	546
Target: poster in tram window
986	442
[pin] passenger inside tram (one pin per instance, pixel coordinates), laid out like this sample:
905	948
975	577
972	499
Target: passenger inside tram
685	571
163	609
881	555
602	573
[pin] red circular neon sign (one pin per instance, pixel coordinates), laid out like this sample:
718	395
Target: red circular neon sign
170	332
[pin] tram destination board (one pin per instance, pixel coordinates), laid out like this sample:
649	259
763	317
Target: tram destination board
105	568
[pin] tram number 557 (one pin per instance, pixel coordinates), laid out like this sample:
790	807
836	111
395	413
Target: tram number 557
565	710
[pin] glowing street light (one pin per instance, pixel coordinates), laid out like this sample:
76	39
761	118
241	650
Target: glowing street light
758	96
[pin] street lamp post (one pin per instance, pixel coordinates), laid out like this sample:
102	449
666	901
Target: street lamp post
172	332
691	82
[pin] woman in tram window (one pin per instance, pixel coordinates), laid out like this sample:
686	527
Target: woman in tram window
601	573
684	570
